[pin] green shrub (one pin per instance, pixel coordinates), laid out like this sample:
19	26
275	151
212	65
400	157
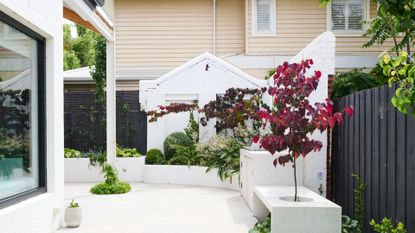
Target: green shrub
349	225
112	184
185	155
353	81
155	156
177	138
127	152
104	189
386	226
71	153
262	227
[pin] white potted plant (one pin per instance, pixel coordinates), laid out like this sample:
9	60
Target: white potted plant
73	215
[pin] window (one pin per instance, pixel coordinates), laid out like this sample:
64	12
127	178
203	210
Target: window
348	15
22	108
263	17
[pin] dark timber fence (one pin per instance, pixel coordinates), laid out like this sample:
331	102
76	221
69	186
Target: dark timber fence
85	122
377	143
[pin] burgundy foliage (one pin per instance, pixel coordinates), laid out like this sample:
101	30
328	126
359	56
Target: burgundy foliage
292	120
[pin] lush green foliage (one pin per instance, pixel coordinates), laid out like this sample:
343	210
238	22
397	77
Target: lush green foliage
80	51
359	201
174	139
386	226
96	158
222	153
395	20
185	155
262	227
192	129
112	184
350	225
104	188
99	73
71	153
355	80
155	156
73	204
401	70
127	152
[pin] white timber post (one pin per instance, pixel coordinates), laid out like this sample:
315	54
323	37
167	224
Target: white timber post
111	104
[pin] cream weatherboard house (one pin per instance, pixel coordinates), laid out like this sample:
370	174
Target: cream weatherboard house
156	36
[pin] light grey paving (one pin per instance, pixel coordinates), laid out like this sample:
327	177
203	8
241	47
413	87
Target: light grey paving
150	208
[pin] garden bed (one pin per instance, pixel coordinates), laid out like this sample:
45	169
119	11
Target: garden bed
185	175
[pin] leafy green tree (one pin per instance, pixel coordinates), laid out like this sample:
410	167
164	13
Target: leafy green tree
395	20
79	51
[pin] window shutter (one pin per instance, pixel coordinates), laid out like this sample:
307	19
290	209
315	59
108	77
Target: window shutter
263	15
338	16
347	15
355	19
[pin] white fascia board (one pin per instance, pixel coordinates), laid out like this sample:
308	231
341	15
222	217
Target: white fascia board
343	61
217	61
83	10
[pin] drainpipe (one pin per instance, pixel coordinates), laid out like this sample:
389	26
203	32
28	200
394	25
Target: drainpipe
214	27
246	25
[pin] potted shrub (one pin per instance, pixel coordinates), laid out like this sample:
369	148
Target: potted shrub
73	215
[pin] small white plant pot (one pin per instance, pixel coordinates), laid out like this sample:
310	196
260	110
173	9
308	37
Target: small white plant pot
73	217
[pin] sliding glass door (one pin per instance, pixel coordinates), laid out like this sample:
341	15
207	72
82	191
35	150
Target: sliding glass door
22	154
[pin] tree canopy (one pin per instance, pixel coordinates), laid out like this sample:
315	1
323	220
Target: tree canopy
79	51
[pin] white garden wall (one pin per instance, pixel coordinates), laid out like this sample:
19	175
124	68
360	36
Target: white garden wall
134	170
78	170
185	175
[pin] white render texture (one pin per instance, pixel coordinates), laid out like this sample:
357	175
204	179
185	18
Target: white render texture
257	169
317	216
152	208
184	175
78	170
134	170
198	80
43	213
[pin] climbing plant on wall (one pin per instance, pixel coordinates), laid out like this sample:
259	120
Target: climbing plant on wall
99	72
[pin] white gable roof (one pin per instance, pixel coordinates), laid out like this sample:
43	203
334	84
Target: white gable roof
205	73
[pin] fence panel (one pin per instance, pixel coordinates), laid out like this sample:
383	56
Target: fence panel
85	126
377	143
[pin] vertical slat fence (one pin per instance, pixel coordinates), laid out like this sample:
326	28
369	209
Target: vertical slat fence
378	144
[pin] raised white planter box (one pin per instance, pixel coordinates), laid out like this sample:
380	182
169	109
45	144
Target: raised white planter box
317	215
78	170
184	175
257	169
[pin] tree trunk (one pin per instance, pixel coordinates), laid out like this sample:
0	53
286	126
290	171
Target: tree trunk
295	179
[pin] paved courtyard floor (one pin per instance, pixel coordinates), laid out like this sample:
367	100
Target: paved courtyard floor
150	208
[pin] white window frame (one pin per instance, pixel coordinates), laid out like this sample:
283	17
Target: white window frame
366	17
273	25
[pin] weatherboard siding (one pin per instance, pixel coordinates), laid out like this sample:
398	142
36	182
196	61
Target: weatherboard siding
154	35
159	35
297	24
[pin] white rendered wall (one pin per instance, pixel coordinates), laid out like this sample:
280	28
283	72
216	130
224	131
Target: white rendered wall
322	50
189	83
42	214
